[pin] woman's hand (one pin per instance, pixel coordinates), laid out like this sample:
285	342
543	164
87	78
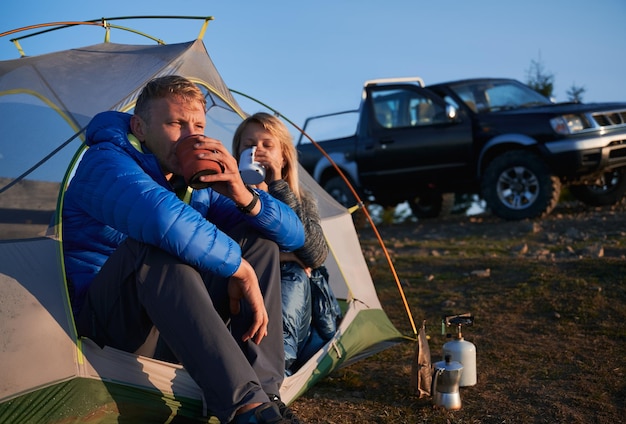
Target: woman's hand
292	257
272	160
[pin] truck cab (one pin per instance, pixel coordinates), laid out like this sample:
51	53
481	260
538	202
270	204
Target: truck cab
409	132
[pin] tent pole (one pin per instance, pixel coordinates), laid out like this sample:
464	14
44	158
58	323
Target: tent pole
107	31
19	48
204	27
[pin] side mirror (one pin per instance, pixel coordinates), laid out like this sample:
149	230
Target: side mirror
451	112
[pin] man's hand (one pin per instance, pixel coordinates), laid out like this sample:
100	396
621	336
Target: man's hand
228	183
243	284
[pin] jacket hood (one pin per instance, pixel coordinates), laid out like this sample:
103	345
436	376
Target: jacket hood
111	127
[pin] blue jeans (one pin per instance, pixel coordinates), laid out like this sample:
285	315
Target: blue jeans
296	305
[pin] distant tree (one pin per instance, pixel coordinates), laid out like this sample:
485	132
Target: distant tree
575	93
539	79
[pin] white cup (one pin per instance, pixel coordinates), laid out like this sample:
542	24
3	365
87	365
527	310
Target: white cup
252	172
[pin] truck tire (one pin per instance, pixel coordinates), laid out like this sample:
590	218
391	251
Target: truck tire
608	190
519	185
431	204
339	190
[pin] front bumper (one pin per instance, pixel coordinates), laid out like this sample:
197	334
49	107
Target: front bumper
580	156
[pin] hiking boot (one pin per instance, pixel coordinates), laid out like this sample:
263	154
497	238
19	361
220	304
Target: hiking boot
285	411
266	413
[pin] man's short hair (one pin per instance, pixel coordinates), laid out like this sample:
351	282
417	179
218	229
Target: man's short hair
170	85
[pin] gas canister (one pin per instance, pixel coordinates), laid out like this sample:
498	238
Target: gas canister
460	350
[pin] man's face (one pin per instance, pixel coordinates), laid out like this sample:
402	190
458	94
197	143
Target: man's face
171	119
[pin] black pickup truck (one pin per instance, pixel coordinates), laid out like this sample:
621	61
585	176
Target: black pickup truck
494	137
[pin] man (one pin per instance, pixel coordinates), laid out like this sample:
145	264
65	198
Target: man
151	274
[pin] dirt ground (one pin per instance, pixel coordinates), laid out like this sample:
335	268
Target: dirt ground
549	304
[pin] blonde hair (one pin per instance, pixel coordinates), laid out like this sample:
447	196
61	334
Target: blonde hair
169	85
279	130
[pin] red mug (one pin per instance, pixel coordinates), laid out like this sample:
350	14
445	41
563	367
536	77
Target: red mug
194	167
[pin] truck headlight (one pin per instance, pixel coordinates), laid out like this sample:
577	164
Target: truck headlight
568	124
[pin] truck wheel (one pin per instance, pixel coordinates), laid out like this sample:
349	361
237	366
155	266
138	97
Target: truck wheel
608	190
431	203
519	185
338	190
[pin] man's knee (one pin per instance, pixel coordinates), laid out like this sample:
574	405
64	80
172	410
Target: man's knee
254	245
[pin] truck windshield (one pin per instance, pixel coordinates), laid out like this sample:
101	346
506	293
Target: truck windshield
489	96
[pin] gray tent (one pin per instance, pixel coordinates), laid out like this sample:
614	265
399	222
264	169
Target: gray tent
47	373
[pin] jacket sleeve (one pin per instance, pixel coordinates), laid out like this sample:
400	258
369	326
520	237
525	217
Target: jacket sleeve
117	192
275	220
315	250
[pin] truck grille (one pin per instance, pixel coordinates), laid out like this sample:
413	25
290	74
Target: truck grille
618	152
610	119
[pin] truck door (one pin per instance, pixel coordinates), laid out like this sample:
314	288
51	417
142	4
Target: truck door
411	137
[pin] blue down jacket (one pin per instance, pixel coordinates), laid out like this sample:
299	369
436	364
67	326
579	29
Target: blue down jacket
119	191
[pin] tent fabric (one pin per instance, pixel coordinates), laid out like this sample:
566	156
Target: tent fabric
83	95
42	362
37	330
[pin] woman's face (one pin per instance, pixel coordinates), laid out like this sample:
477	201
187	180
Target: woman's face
268	148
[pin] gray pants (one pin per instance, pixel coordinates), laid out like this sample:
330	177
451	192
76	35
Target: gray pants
147	301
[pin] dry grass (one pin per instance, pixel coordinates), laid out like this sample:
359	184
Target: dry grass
549	328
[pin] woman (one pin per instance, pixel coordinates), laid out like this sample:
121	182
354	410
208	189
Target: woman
276	153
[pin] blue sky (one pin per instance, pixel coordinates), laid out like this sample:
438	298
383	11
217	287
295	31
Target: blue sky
308	58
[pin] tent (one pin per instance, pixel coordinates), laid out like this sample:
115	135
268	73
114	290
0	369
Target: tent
47	373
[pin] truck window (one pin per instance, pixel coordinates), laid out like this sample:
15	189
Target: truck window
399	108
384	114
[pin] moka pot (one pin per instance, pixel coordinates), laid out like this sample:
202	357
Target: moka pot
445	385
